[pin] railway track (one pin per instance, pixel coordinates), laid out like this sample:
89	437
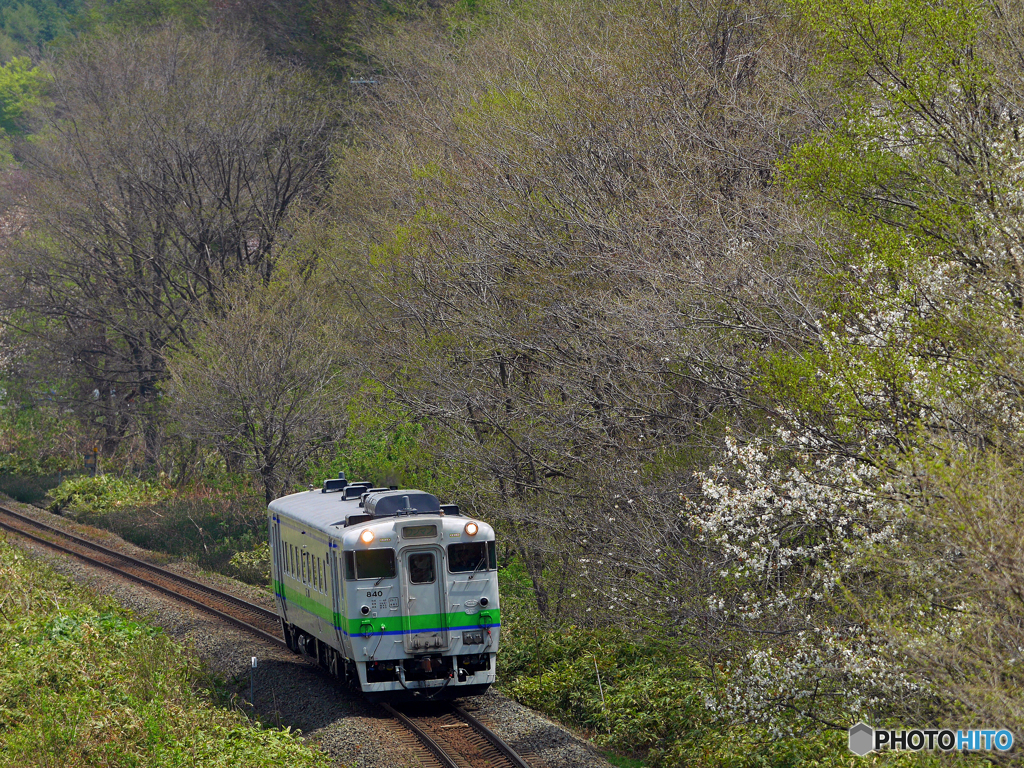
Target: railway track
449	736
455	738
242	614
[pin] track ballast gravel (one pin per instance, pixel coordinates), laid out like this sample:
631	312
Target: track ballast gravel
287	691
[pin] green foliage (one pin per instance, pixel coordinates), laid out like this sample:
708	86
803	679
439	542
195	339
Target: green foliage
82	683
38	441
31	23
137	14
252	566
654	711
385	445
38	448
140	13
207	528
90	496
918	357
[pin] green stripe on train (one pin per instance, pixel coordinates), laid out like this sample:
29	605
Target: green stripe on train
370	625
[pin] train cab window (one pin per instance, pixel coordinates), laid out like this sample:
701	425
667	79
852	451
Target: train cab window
421	568
375	564
350	567
472	556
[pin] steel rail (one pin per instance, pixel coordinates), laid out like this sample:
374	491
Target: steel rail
496	741
422	735
166	590
245	604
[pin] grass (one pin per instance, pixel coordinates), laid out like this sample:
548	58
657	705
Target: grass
221	532
84	683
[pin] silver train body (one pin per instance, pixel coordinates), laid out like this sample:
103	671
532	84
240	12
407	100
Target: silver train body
387	589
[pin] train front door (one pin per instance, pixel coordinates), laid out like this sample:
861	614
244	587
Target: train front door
423	592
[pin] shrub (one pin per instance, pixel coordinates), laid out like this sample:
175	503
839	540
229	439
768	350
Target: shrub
252	566
83	496
208	529
655	693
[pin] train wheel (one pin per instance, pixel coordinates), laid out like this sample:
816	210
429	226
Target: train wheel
289	637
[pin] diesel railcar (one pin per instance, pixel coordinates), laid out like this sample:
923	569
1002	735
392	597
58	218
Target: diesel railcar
387	589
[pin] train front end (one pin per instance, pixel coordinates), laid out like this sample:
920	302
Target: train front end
388	589
425	614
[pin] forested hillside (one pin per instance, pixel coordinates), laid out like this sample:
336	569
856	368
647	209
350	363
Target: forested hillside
714	310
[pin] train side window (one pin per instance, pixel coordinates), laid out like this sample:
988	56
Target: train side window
421	568
492	552
305	567
375	564
323	576
350	567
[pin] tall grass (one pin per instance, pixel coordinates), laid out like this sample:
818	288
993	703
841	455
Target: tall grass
82	683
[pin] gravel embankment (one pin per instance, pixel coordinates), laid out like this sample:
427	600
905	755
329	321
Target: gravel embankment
287	691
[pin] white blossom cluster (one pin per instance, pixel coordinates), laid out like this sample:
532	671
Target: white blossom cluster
936	348
790	534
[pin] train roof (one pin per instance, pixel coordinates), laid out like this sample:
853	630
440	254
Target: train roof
328	510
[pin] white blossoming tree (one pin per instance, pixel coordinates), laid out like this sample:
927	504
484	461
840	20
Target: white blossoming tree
867	558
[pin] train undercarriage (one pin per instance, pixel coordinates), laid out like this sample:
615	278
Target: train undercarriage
426	676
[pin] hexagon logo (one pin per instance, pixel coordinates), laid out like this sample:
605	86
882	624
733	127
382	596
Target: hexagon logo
862	737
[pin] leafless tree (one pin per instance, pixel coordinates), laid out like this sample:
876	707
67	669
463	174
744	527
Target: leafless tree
261	379
577	244
167	167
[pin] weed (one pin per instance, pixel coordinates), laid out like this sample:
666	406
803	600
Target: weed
83	683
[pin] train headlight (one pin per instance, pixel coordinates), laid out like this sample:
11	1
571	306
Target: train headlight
471	529
366	536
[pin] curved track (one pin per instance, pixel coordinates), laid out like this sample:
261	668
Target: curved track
242	614
452	737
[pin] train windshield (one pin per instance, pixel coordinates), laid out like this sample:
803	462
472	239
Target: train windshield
375	564
472	556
